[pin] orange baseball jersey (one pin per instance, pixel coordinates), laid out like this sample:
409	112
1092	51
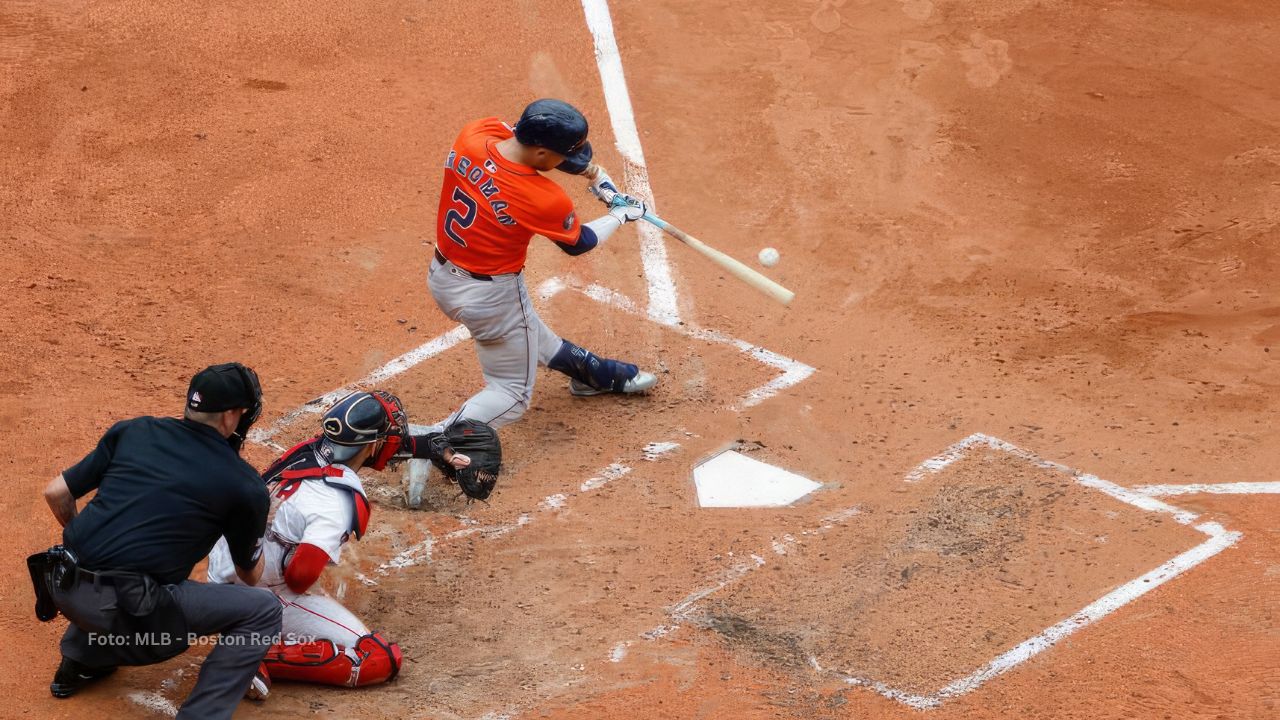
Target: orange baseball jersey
490	207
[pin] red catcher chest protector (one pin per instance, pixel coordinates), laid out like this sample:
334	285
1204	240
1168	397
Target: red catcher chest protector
306	461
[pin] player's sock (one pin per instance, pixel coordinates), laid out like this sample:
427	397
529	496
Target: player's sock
588	368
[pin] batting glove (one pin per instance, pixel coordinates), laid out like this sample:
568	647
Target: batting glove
628	208
603	188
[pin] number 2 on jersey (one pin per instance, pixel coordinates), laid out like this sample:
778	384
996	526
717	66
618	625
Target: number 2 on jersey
455	221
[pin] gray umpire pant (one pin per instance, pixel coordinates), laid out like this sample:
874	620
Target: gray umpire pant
247	620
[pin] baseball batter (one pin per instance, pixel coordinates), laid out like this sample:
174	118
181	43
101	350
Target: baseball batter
493	201
320	504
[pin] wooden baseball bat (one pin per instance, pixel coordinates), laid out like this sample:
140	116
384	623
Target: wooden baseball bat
733	266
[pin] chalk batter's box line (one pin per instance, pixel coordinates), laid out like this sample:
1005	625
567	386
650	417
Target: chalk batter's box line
663	298
793	371
1240	488
421	552
1218	539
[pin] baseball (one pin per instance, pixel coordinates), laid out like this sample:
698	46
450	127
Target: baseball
769	257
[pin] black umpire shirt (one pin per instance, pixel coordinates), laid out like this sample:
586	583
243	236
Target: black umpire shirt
167	490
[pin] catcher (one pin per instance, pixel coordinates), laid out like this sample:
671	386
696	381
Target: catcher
318	504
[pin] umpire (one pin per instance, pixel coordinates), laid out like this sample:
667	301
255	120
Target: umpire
167	489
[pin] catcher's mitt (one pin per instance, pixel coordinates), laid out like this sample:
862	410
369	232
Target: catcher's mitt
477	441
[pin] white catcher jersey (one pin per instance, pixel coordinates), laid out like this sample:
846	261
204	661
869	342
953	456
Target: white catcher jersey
317	513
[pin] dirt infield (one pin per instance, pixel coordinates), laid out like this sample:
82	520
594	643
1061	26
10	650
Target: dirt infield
945	577
1053	223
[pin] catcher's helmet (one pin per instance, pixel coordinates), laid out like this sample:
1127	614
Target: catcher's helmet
360	419
557	126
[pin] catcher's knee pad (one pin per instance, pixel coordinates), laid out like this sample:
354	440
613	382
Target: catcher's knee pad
379	660
371	660
587	367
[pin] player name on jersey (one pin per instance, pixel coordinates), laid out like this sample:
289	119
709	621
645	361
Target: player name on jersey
479	176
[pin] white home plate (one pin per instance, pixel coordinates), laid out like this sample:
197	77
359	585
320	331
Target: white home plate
732	479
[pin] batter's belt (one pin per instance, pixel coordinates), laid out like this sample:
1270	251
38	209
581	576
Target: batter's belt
474	275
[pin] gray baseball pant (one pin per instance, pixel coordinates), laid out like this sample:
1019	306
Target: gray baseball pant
510	339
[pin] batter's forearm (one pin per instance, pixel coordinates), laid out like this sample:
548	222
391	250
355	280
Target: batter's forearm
60	499
603	227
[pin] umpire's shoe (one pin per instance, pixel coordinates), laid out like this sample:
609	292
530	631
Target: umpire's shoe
72	677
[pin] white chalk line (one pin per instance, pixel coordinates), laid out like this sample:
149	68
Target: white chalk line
613	298
655	451
491	531
1240	488
836	518
685	610
682	609
155	702
1218	540
421	552
552	502
619	652
793	373
781	547
604	476
953	453
427	350
663	299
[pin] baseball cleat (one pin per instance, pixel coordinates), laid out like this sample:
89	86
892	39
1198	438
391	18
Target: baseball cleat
640	382
72	677
260	686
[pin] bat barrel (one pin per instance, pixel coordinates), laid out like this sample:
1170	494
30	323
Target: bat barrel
732	265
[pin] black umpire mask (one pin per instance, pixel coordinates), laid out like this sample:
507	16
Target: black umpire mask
250	416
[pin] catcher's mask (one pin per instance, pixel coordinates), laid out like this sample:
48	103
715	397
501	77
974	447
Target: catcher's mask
364	418
250	416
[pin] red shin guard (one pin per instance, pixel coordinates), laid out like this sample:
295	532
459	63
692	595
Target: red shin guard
372	660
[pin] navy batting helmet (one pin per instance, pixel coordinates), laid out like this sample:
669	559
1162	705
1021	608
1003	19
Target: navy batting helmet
557	126
363	418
